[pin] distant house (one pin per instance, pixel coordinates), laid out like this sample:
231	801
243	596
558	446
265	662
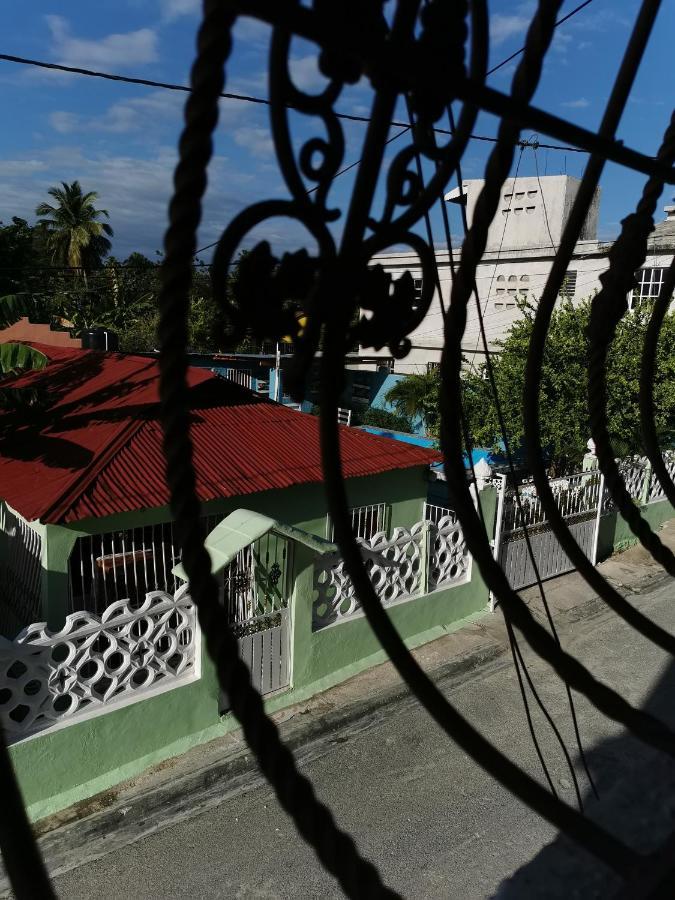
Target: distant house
521	247
102	670
86	474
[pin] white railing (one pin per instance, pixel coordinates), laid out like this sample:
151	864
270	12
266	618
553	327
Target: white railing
20	573
434	513
95	663
411	563
243	377
366	521
344	416
574	495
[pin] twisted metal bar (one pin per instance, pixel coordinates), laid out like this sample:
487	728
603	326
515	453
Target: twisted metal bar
533	369
337	286
335	849
607	309
519	664
606	699
646	397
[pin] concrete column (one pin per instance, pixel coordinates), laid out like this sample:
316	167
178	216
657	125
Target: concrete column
58	545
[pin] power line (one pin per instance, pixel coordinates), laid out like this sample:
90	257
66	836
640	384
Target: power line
522	49
245	98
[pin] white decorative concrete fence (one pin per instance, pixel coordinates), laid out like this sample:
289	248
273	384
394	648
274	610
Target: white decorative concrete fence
430	555
96	662
656	492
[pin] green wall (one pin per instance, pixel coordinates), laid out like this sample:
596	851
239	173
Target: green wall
72	763
615	533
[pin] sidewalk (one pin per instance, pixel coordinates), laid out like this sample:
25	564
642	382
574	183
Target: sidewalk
208	775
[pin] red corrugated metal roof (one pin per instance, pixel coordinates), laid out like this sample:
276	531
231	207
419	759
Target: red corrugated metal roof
97	449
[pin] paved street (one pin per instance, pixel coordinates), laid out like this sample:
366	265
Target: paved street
436	825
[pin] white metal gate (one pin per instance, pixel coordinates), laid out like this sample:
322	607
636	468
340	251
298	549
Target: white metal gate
254	590
577	497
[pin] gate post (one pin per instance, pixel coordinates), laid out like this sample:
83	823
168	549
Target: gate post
426	551
496	543
601	497
646	484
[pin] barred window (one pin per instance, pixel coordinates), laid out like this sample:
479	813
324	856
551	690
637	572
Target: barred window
569	284
366	521
649	283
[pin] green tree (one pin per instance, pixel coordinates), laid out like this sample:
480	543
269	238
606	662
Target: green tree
417	397
75	236
564	419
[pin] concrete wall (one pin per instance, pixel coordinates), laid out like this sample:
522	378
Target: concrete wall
529	209
615	534
62	767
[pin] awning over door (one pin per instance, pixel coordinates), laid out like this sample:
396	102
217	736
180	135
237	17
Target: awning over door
241	528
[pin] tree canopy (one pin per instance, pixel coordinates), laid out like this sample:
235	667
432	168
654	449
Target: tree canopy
416	397
564	412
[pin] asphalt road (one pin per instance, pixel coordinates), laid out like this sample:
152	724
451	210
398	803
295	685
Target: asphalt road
433	822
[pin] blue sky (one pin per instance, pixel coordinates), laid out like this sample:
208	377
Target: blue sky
120	139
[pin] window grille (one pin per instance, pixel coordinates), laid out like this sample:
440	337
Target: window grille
124	565
417	284
648	287
569	284
366	521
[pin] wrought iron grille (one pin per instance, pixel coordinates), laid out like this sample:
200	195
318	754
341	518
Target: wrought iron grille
432	54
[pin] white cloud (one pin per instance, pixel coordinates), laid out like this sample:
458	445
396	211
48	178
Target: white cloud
305	73
133	48
135	190
503	27
132	116
257	140
64	122
174	9
580	103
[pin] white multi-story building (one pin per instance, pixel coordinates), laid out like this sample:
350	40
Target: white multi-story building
522	241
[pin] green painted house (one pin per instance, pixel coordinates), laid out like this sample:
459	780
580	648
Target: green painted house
102	672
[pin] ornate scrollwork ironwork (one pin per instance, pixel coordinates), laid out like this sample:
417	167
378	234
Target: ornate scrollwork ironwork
416	50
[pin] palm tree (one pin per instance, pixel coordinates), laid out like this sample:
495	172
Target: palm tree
75	237
417	397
